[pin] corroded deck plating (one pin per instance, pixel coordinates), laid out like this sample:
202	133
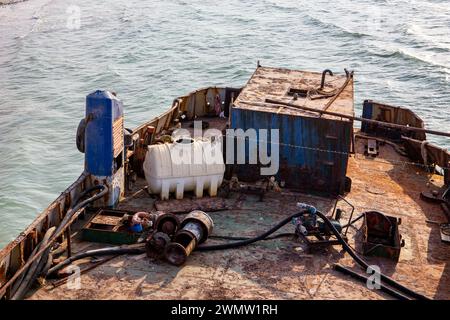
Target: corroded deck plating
282	269
269	269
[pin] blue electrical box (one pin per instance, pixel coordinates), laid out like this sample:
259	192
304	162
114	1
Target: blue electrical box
104	142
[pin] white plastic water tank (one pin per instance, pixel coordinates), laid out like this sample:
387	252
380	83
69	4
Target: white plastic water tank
185	165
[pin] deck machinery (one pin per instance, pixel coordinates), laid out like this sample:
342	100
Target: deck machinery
311	116
100	137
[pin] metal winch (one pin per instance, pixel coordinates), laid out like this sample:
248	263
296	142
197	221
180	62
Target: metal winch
195	229
175	241
165	227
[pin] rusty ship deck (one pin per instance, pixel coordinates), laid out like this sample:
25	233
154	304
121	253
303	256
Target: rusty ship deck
281	268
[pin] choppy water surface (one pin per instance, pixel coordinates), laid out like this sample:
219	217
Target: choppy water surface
150	52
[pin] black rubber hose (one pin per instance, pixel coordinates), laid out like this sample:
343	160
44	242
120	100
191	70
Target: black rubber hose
363	264
103	190
128	249
43	252
363	278
346	247
277	236
245	242
29	277
37	267
88	191
60	250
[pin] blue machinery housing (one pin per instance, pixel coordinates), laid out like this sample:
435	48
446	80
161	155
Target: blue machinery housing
104	142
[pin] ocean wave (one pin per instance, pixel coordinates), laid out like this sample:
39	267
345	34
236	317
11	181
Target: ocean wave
280	6
409	54
36	16
438	42
325	24
436	6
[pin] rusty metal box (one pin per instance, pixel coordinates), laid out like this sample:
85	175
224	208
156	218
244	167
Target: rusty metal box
106	227
381	236
313	147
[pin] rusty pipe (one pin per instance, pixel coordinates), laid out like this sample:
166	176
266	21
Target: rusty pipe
353	118
143	218
364	279
322	82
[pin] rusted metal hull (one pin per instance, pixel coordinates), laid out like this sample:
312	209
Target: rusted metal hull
16	253
434	155
249	272
391	114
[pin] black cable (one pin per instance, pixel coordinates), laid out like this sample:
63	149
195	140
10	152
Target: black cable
277	236
331	227
61	249
22	285
363	264
28	279
88	191
127	249
364	279
245	242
